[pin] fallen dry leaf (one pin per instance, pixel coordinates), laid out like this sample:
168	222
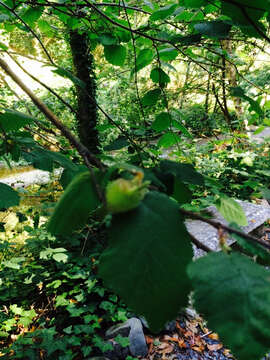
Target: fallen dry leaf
198	348
165	348
149	339
214	347
213	336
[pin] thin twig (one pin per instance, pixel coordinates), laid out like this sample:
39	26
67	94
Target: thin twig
44	85
218	225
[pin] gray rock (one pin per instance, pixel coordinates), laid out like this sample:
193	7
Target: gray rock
132	329
120	329
206	234
144	322
27	178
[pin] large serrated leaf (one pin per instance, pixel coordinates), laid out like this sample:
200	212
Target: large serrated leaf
233	293
254	105
46	160
251	248
163	12
168	54
162	121
11	120
217	29
32	14
151	97
8	196
115	54
183	172
144	58
75	205
169	139
159	76
68	75
231	210
146	260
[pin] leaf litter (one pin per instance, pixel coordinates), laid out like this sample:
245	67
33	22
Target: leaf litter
189	340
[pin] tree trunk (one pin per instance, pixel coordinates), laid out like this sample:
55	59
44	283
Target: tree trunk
184	88
83	63
207	96
232	76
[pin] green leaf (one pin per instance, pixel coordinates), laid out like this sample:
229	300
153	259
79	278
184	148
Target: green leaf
254	105
195	3
231	210
107	39
181	192
60	257
117	144
178	125
159	76
144	58
11	120
45	27
151	97
245	16
3	46
44	159
115	54
162	121
75	205
67	74
68	174
163	13
14	263
186	40
123	341
169	139
216	29
146	260
183	172
32	14
233	293
8	196
266	193
252	248
168	54
259	130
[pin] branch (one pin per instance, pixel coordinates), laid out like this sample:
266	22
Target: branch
218	225
88	157
250	20
98	4
30	29
135	63
200	245
44	85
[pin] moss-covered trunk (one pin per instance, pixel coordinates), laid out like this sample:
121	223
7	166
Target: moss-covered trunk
83	63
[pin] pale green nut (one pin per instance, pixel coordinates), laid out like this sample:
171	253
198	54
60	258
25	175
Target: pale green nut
124	195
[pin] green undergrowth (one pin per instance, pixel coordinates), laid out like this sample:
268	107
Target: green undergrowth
52	303
234	166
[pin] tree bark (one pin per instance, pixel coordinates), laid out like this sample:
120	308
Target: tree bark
232	76
184	88
83	63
